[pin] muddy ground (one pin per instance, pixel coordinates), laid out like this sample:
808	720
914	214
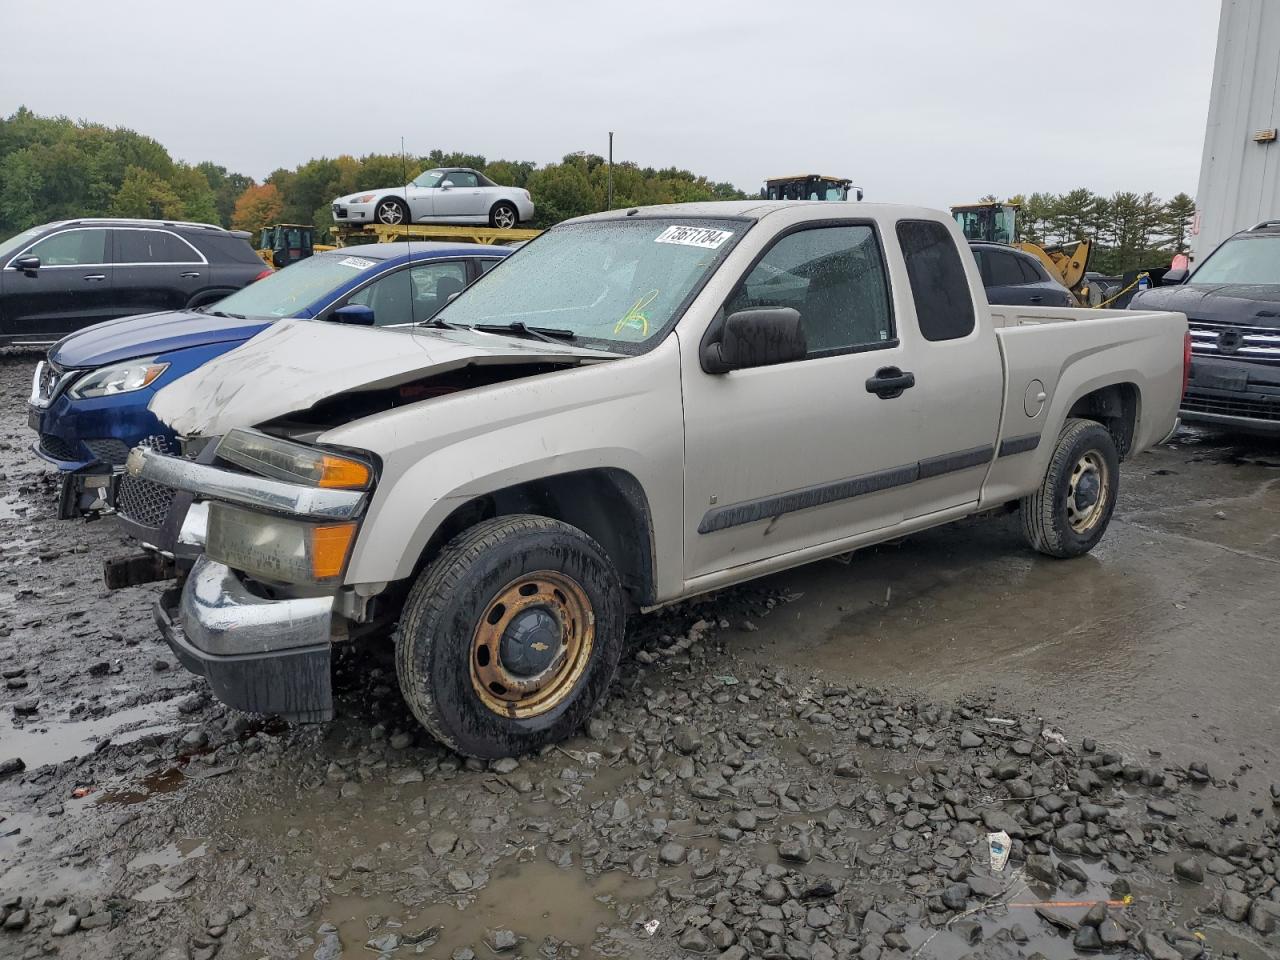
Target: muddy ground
806	768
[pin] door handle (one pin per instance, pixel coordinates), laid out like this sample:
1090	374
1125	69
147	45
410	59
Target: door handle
192	274
95	276
1036	299
889	382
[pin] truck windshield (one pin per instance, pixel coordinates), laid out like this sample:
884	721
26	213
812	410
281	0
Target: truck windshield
618	284
1242	260
293	289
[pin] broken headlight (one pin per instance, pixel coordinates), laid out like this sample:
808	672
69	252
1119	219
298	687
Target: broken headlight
277	548
285	460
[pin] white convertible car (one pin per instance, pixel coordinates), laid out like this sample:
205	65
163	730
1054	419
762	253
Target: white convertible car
443	195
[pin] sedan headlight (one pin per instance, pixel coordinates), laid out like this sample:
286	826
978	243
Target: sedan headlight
278	548
118	378
278	459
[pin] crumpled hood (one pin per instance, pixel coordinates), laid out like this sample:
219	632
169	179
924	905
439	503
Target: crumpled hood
296	363
148	335
1256	304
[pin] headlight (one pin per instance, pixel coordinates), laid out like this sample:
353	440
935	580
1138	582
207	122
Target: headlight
277	548
119	378
363	198
279	459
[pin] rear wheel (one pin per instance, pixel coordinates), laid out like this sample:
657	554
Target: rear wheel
504	216
511	636
391	211
1070	512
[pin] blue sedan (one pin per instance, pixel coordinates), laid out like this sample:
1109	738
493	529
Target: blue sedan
89	398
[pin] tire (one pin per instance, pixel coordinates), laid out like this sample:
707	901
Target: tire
456	641
391	211
1070	512
504	216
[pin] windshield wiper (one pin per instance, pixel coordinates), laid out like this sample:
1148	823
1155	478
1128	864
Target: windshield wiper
549	334
227	316
441	323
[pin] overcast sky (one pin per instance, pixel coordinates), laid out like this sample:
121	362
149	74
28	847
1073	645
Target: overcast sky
924	101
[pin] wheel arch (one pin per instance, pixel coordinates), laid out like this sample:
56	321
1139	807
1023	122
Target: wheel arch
1117	407
607	503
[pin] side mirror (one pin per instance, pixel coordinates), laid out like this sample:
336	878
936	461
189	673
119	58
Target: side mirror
278	259
759	337
28	265
356	314
446	185
1172	278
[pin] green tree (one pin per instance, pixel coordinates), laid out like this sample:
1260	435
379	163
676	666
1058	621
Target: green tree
1179	213
195	194
146	195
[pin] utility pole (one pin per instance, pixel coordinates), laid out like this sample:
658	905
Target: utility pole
609	205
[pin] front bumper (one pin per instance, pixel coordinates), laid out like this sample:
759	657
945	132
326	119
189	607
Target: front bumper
353	213
258	654
1233	394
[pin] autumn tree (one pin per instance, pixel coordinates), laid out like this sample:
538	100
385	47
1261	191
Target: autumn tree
258	207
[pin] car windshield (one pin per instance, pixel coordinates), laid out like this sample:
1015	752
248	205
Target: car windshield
1242	260
17	242
613	284
293	289
429	178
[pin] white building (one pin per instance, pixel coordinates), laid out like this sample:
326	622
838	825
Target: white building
1240	168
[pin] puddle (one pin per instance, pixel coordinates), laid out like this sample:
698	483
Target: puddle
170	855
536	900
43	741
144	788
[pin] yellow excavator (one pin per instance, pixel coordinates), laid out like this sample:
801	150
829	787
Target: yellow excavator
997	223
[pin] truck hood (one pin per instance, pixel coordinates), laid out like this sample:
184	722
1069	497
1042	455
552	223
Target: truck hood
148	335
297	363
1256	304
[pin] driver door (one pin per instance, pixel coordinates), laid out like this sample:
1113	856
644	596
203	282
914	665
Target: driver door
460	196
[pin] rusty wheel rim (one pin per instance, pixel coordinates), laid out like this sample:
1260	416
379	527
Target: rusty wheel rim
1088	491
532	644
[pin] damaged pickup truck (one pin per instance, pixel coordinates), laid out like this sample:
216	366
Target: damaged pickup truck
637	407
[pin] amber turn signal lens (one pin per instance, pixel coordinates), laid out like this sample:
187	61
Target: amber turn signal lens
329	546
340	472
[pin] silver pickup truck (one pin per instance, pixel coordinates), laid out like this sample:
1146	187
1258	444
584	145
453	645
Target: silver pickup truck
637	407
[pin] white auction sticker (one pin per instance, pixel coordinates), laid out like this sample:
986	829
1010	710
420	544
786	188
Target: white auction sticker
360	263
694	236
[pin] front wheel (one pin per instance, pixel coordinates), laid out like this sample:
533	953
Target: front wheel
511	636
391	211
504	216
1069	514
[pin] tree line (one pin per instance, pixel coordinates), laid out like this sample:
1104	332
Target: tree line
1129	230
54	168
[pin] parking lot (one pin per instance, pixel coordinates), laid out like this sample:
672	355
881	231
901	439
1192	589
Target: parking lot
806	767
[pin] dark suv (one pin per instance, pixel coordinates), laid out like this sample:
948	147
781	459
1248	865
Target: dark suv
1017	279
1232	303
63	276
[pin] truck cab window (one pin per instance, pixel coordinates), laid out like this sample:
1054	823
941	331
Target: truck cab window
835	278
944	305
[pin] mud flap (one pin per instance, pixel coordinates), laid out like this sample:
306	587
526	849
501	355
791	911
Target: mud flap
294	684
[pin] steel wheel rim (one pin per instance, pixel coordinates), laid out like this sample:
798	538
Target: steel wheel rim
389	212
504	218
1090	475
521	694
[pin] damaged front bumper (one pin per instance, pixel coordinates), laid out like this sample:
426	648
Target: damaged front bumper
258	654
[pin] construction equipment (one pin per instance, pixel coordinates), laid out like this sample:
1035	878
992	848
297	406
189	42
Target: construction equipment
286	243
349	236
1067	263
809	186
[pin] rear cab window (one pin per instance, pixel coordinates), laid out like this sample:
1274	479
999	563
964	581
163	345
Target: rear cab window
939	287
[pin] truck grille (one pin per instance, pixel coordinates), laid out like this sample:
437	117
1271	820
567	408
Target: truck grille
1218	338
57	448
142	501
109	450
1244	405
